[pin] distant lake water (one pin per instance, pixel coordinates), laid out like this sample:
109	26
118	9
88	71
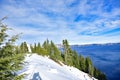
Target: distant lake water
105	57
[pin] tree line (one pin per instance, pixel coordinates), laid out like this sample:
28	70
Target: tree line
68	57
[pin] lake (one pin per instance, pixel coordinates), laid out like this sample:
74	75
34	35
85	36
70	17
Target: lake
106	57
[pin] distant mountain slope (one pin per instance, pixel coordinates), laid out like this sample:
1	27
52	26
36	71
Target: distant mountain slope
97	47
43	68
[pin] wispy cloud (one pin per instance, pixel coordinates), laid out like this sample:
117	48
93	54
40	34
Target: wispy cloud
79	21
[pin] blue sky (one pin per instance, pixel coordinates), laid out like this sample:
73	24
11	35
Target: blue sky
79	21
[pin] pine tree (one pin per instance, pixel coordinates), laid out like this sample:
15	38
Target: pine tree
65	51
99	75
75	60
37	48
89	66
46	46
68	56
23	47
10	60
82	63
54	52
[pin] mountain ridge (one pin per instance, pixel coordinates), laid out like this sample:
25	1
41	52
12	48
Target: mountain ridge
42	68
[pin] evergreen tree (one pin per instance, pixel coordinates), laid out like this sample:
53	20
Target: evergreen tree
46	46
89	66
99	75
10	60
23	47
39	46
54	52
38	49
82	63
68	56
75	60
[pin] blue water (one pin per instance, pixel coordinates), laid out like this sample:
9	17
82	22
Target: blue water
104	57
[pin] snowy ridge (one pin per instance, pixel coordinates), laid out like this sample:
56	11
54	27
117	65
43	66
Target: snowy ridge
42	68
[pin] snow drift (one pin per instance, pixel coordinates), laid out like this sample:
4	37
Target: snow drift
42	68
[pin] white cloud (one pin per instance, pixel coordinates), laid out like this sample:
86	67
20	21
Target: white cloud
54	19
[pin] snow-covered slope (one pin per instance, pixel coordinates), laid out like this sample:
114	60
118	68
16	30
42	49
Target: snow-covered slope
42	68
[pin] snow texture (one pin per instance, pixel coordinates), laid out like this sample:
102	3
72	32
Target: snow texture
29	49
42	68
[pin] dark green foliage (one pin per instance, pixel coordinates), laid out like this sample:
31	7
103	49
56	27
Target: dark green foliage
10	59
68	54
99	75
46	46
47	49
89	67
38	49
75	59
63	57
82	63
23	48
54	52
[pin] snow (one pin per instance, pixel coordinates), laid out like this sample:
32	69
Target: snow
29	49
42	68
